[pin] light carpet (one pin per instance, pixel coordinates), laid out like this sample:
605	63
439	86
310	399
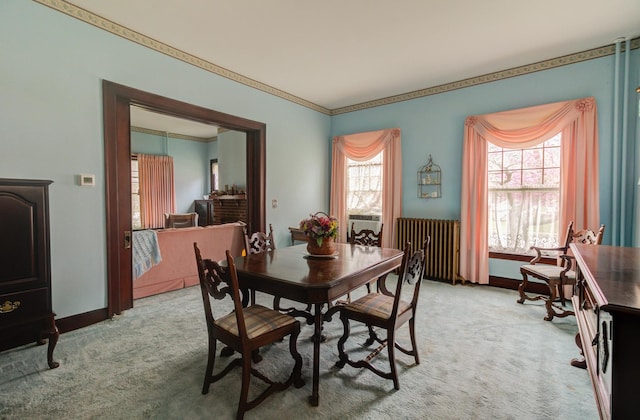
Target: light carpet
483	356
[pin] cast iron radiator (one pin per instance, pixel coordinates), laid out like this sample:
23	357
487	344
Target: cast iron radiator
442	259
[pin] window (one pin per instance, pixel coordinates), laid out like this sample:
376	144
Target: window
135	195
524	197
213	166
364	193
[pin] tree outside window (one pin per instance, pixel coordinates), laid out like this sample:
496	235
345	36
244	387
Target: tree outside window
524	197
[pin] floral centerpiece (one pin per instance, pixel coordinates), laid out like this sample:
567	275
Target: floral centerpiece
321	230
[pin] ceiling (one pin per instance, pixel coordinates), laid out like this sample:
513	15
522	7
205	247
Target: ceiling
338	53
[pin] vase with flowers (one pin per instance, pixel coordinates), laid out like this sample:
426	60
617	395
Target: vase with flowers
321	231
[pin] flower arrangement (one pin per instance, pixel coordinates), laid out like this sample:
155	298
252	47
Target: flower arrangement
319	226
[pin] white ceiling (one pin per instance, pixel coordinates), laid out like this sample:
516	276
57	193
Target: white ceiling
336	53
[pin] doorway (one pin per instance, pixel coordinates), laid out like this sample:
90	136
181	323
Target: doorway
117	138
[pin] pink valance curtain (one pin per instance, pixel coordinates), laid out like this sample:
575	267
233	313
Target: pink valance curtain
517	129
157	195
361	147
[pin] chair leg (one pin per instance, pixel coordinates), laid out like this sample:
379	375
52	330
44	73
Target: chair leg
211	359
296	374
412	333
549	302
345	334
391	337
372	336
244	391
521	287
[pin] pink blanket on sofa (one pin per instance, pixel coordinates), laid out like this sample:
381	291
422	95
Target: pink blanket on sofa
178	266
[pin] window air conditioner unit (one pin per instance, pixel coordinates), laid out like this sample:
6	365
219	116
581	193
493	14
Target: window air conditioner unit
364	221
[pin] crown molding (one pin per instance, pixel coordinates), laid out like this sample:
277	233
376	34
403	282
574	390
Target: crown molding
131	35
491	77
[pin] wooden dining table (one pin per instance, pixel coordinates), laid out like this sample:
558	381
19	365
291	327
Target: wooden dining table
293	274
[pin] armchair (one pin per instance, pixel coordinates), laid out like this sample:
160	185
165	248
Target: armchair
556	276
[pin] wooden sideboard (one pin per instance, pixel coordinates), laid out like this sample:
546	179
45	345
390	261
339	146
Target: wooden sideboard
26	315
607	307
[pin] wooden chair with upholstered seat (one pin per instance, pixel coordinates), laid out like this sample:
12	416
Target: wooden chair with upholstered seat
255	243
244	330
557	275
389	312
366	237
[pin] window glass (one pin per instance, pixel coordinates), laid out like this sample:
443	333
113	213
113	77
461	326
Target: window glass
364	191
524	197
135	196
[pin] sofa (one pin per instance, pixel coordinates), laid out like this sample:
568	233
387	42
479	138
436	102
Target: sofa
177	268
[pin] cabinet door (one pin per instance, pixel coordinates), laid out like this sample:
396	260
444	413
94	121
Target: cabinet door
23	249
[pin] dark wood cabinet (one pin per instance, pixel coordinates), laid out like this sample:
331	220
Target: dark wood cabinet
26	313
607	308
204	208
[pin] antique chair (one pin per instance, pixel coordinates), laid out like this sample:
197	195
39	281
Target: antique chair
365	237
180	220
389	312
557	275
255	243
244	330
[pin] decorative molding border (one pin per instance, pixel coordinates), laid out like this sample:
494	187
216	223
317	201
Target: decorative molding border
131	35
491	77
172	135
121	31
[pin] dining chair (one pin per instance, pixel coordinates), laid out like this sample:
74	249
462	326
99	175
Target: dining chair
255	243
244	330
388	312
558	274
366	237
263	242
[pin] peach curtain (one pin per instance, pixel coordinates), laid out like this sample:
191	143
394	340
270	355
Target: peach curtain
157	195
517	129
361	147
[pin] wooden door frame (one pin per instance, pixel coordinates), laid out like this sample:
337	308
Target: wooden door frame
117	146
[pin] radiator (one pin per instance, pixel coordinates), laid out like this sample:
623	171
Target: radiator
442	259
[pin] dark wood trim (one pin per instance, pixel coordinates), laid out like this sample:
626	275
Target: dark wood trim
117	139
519	257
75	322
509	283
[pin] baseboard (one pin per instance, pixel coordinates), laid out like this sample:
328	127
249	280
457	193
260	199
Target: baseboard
509	283
75	322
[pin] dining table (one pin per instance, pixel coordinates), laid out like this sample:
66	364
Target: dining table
318	281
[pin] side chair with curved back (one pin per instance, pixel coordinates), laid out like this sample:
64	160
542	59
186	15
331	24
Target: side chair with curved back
389	312
366	237
244	330
259	242
559	275
255	243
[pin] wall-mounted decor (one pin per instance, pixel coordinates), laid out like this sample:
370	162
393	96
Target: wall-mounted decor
430	180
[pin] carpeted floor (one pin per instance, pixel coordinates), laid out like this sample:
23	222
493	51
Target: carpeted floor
483	356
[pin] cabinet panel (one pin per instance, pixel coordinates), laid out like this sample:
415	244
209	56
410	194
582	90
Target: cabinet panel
25	279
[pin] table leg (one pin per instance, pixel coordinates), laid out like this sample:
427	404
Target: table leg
317	337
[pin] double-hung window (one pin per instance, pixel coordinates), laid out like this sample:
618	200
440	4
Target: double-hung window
524	197
364	195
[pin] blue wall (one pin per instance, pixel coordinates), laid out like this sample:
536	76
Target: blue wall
51	125
434	125
51	128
